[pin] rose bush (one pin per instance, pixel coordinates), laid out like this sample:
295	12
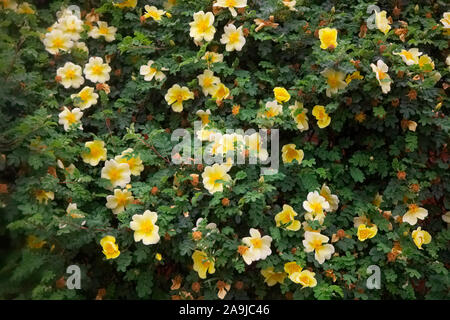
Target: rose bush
91	94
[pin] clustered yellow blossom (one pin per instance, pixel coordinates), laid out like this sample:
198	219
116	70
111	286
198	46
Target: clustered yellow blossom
281	94
43	196
126	4
65	34
208	82
271	277
133	160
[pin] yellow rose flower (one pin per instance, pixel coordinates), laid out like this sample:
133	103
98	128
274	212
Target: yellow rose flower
134	162
204	116
203	264
126	4
382	76
149	72
281	94
323	119
145	228
221	92
214	176
290	4
272	109
97	152
425	63
332	199
328	38
70	75
410	56
43	196
209	83
176	95
305	278
292	267
446	20
153	12
315	206
119	200
231	5
233	38
335	81
202	28
71	211
298	112
110	248
354	76
70	25
254	145
382	22
85	98
34	242
97	71
271	277
117	173
421	237
289	153
67	118
415	212
287	216
212	57
56	41
103	30
365	232
25	8
314	242
258	247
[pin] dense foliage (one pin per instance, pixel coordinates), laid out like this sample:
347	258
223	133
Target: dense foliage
363	136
